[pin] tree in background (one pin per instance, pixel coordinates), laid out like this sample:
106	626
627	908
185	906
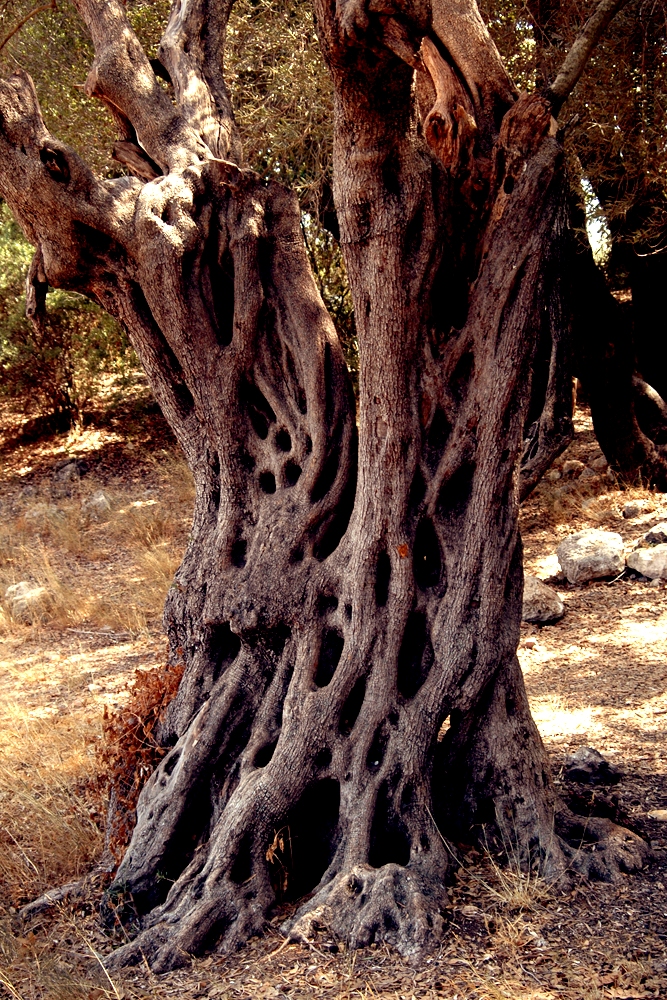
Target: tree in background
347	611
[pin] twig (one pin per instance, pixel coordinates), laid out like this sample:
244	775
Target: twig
9	987
37	10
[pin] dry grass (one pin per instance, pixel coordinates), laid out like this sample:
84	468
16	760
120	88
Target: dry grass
114	573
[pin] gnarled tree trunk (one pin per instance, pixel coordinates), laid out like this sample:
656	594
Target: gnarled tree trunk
348	606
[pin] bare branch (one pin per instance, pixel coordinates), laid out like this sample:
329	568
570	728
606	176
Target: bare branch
580	52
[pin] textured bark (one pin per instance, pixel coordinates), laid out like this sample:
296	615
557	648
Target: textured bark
349	603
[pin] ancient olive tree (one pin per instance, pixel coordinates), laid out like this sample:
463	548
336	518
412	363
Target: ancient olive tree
348	607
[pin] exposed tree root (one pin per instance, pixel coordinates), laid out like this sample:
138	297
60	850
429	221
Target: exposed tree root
400	906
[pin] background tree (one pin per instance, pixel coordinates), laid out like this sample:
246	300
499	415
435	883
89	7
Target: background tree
348	607
616	149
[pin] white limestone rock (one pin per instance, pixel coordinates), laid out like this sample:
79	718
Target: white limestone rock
591	555
540	602
25	600
650	562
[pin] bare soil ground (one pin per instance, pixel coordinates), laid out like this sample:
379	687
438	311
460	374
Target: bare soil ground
596	678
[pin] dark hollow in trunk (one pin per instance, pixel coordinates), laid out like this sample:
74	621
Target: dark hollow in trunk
348	606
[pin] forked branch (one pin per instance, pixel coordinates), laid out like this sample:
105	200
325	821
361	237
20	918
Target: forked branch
122	75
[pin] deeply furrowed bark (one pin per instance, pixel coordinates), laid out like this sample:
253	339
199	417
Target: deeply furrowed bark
348	606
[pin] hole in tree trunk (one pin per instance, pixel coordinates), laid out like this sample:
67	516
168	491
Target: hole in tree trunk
238	553
292	473
352	707
426	558
326	477
267	482
310	838
390	843
170	762
283	440
260	412
415	657
460	380
382	578
455	492
274	639
326	603
224	646
377	749
334	528
265	753
330	654
218	290
323	758
242	867
436	439
417	490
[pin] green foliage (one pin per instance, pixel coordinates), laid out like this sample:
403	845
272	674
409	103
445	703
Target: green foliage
281	93
57	369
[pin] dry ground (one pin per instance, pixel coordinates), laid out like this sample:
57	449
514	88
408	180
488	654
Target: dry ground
598	677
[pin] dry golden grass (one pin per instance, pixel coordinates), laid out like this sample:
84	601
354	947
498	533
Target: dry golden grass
52	544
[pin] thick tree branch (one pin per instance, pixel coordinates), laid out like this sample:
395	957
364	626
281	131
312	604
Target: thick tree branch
576	59
459	26
192	50
48	187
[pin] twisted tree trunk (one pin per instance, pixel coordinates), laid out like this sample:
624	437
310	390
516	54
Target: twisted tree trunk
348	606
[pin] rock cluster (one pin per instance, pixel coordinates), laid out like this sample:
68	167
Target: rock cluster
594	554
